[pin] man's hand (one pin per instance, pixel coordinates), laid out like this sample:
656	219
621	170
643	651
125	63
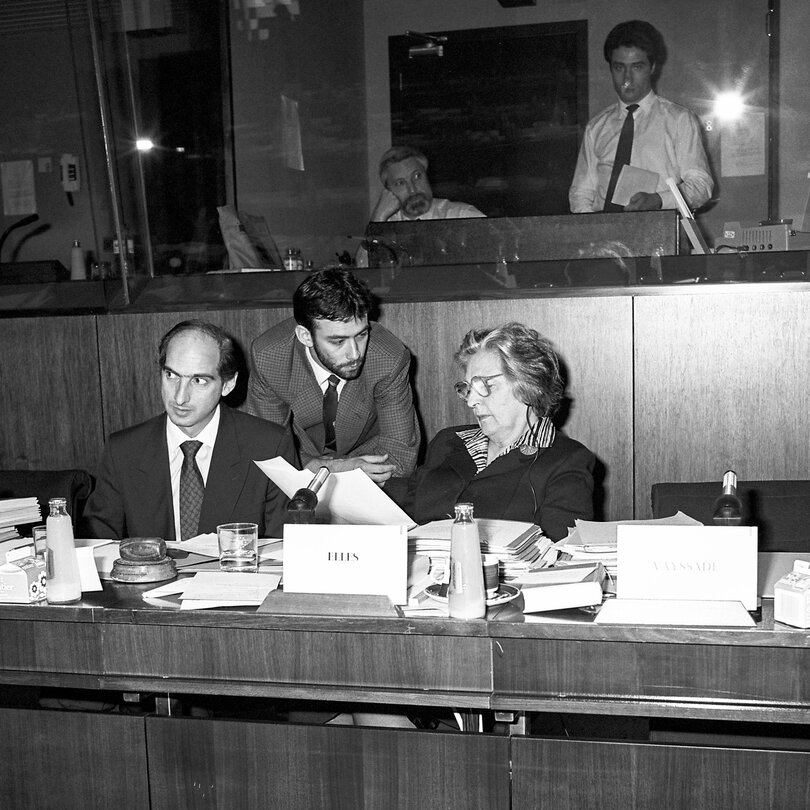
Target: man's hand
642	201
387	205
373	466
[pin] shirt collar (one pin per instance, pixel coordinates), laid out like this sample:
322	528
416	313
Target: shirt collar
540	434
643	105
321	374
208	435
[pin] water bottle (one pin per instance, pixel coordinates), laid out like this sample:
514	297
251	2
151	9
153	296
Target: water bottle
301	508
465	594
728	507
78	266
63	582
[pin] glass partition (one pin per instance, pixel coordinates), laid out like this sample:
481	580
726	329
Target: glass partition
279	110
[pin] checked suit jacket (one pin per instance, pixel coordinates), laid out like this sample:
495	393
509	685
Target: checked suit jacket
133	494
375	413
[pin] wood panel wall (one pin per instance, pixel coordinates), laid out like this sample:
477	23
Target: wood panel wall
49	393
673	387
721	382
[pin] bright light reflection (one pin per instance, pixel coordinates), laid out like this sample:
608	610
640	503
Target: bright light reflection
728	106
144	144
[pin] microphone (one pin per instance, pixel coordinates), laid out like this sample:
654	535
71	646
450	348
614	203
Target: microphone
302	505
396	251
20	223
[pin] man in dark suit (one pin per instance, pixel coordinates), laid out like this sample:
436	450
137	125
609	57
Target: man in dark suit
341	382
186	471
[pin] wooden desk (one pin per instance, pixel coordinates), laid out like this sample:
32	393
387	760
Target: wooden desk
112	641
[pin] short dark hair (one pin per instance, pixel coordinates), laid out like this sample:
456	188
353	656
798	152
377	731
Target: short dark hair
396	154
333	294
528	360
637	34
228	351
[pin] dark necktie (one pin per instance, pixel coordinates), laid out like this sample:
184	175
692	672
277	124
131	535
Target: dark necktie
330	401
623	152
329	414
192	490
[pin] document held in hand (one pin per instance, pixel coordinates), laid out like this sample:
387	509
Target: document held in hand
346	497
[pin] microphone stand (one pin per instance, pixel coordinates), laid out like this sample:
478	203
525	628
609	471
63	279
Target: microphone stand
20	223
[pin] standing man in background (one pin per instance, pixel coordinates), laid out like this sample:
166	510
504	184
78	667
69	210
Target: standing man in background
643	130
339	381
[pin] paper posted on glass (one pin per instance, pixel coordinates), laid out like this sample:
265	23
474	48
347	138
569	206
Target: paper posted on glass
346	497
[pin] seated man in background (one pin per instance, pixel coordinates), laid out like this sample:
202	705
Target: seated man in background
339	381
191	468
641	129
513	464
407	194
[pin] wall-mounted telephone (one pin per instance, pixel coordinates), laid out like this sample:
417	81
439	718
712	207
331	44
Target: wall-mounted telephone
69	169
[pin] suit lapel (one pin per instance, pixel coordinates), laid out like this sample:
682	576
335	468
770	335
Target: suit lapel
153	477
226	475
352	414
307	397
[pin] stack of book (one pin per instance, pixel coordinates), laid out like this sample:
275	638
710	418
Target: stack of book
520	547
16	512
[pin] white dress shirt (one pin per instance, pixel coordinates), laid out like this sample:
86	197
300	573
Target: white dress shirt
441	209
174	438
322	375
666	140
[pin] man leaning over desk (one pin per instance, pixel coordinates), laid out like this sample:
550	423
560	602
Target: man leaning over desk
191	468
340	381
641	129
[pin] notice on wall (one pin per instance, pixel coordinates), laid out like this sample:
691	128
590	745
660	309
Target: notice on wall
291	134
742	145
17	182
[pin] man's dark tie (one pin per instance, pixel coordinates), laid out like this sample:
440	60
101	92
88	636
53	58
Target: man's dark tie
330	401
623	152
192	491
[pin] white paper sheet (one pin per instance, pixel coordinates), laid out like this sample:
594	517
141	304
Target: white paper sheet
683	612
688	562
347	559
633	179
226	589
346	497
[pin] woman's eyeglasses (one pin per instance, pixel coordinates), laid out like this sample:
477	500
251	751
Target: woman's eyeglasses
480	385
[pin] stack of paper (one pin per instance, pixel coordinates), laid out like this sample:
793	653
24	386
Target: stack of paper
594	542
214	589
521	547
560	588
15	512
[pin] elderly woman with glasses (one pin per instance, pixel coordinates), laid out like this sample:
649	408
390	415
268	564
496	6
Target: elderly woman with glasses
513	464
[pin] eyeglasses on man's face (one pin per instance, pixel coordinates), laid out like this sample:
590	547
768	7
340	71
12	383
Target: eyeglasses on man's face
480	385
